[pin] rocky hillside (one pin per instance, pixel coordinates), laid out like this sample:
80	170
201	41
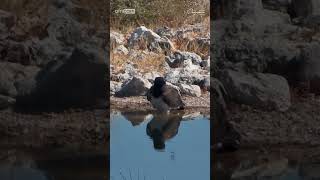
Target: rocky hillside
52	54
161	39
181	56
265	53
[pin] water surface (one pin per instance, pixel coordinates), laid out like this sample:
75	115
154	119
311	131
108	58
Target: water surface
158	147
49	164
265	166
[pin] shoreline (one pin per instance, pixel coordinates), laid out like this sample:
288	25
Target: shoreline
140	103
86	130
89	129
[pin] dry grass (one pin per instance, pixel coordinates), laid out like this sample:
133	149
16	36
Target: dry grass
150	62
191	46
171	13
99	11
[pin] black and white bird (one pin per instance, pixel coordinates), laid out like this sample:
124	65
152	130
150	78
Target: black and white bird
164	97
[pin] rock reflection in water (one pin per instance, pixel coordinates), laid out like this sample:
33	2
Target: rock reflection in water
263	167
18	166
33	164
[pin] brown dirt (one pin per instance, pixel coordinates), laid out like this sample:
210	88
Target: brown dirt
138	103
72	129
300	125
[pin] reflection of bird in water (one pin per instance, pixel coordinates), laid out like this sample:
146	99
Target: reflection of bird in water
163	127
164	97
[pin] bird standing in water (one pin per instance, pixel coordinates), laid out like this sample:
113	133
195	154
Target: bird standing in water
164	97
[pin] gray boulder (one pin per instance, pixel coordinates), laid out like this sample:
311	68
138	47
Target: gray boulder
6	101
312	21
116	39
137	86
224	137
150	76
305	8
79	82
265	91
7	19
178	58
277	5
185	76
190	90
12	75
255	36
63	27
115	87
144	38
16	52
204	84
121	49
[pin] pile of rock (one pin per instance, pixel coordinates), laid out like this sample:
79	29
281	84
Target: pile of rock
186	70
262	47
60	66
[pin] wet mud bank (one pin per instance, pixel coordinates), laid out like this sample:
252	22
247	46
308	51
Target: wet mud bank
140	103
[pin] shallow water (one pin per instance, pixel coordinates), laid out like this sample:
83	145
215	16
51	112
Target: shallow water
158	147
44	164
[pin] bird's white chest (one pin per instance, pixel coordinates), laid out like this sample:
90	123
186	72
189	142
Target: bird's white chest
159	104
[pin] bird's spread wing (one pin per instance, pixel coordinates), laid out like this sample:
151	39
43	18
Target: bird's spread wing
172	96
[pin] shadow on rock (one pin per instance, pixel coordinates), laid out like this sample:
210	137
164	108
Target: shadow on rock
80	82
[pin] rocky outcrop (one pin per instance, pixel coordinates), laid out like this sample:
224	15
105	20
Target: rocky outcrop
266	91
7	19
78	82
115	87
304	8
137	86
52	60
224	137
144	38
190	90
263	36
177	59
13	75
116	39
6	102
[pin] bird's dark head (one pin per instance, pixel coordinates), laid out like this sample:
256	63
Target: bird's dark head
158	140
159	82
